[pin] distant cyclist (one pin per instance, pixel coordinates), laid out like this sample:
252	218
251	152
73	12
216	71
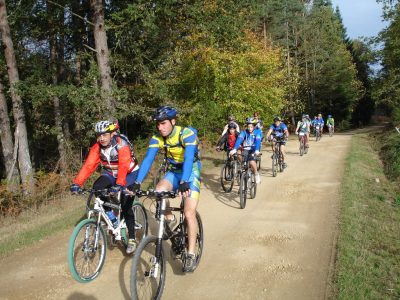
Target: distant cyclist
231	120
278	130
321	123
250	140
183	171
303	126
330	122
113	152
259	124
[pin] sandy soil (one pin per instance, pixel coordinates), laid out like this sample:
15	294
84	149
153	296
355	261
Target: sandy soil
281	246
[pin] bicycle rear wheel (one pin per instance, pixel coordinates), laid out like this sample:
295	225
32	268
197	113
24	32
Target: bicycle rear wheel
87	251
243	189
227	178
147	277
253	186
301	147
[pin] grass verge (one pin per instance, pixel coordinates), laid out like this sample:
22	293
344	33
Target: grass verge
368	256
33	225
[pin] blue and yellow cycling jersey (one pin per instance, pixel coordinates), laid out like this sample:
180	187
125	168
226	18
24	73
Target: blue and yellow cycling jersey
181	152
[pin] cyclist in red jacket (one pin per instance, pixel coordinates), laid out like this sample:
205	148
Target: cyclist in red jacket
113	152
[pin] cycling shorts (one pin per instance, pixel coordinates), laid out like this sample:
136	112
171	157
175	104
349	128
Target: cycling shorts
247	153
174	177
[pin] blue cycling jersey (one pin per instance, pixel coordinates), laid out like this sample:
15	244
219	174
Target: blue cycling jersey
250	141
278	130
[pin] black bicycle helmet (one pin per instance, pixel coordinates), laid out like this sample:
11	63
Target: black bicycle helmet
232	125
165	113
276	119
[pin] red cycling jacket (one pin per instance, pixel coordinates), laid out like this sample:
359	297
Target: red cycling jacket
117	159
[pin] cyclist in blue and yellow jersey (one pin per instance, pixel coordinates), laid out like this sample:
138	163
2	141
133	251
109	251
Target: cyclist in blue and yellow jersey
180	144
278	129
250	139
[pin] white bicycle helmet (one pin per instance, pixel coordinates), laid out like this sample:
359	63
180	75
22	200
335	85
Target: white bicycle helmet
105	126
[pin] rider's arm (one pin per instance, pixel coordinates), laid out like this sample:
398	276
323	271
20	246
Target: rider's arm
269	133
239	140
124	162
225	130
189	140
89	166
258	141
151	153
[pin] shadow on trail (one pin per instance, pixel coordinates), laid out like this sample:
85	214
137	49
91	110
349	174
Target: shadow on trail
80	296
212	183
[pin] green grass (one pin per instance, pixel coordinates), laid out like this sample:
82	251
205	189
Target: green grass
25	231
368	257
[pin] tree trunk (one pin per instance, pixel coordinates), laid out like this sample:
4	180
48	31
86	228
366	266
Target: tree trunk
102	54
24	160
7	144
55	70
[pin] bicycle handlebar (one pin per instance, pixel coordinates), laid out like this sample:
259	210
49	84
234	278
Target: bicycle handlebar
163	194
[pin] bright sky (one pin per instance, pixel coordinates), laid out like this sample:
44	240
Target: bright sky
360	17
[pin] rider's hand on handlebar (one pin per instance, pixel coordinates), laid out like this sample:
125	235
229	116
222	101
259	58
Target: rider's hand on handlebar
115	189
218	149
184	189
75	189
256	153
134	188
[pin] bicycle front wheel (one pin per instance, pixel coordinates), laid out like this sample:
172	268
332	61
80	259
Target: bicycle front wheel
243	190
87	251
274	165
141	224
227	178
253	186
148	273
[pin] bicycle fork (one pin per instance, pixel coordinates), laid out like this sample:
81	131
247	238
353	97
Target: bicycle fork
155	260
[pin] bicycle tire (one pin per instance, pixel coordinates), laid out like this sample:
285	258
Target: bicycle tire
226	171
274	165
141	224
253	186
301	147
199	239
73	251
243	190
141	284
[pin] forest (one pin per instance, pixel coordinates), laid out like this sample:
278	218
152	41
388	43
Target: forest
65	64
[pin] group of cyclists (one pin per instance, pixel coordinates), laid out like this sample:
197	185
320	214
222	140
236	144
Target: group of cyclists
123	174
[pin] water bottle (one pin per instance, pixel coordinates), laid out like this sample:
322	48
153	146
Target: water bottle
112	218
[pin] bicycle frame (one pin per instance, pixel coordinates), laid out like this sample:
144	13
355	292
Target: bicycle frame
101	214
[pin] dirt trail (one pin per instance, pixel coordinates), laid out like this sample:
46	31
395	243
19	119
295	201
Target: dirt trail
279	247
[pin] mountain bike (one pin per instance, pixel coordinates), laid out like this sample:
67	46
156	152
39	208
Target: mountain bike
330	130
148	269
317	133
277	158
302	139
88	242
247	180
229	172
